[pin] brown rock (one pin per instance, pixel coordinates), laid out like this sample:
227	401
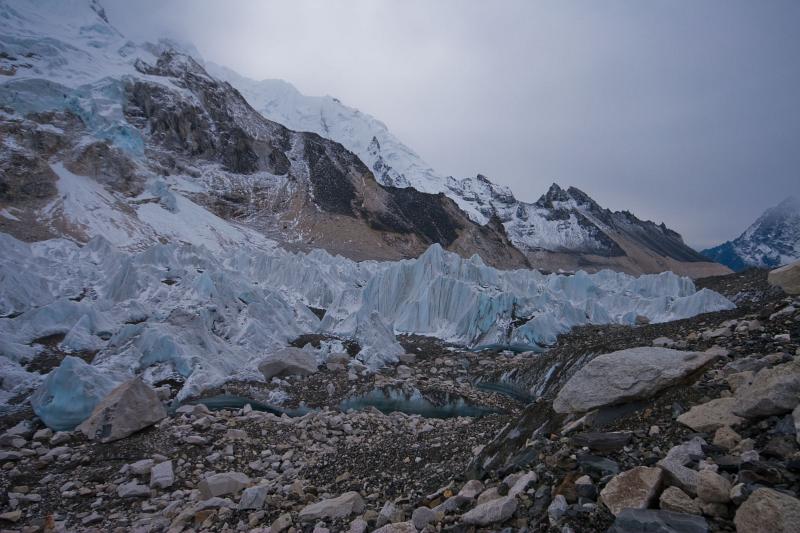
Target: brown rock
768	511
712	487
674	499
727	438
711	416
632	489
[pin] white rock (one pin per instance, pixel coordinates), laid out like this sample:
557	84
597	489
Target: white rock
626	375
342	506
162	476
223	483
491	512
254	497
133	490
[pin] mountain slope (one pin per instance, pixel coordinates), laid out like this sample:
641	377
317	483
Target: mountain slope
569	232
147	123
772	240
144	118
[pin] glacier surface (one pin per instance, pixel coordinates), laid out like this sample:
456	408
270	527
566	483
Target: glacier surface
205	315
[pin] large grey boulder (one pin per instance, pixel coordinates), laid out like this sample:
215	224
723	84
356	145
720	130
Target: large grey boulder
347	504
288	362
786	277
492	512
651	521
632	489
773	391
768	511
127	409
627	375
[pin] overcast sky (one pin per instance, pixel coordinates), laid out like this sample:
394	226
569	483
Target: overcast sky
682	111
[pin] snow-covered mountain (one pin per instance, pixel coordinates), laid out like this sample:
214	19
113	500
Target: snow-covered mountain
143	118
772	240
563	230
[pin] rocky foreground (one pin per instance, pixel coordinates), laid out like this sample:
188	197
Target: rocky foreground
687	426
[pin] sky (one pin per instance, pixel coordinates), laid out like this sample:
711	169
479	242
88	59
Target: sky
681	111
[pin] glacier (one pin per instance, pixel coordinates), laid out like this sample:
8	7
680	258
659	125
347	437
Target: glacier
206	315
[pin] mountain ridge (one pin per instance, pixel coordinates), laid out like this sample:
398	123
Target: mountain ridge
567	240
139	114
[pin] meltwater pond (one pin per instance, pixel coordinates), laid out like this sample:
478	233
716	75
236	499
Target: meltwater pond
394	400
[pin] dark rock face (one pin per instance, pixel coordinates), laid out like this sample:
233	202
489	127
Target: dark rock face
427	213
24	178
331	187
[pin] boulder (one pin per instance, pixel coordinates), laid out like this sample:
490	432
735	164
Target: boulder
254	497
768	511
627	375
133	490
162	476
632	489
774	391
651	521
222	484
674	499
727	438
127	409
710	416
492	512
557	509
674	465
288	362
712	487
786	277
347	504
522	483
422	516
471	489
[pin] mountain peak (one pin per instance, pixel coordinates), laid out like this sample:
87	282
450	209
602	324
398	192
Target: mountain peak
554	194
772	240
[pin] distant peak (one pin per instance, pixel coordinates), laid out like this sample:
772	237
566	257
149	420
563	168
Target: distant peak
553	194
